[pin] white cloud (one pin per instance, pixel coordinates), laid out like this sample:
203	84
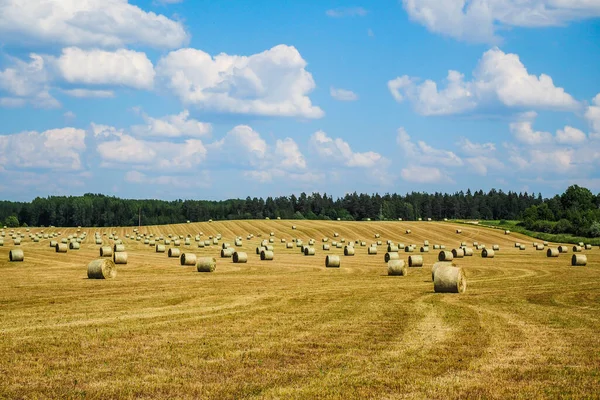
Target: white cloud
27	82
478	20
105	131
11	102
420	174
341	12
69	115
82	93
423	153
128	150
570	135
480	157
172	126
524	132
499	78
105	23
343	94
200	179
274	82
592	114
58	149
241	146
288	155
100	67
339	151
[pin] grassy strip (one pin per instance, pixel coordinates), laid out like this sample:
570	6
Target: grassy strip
550	237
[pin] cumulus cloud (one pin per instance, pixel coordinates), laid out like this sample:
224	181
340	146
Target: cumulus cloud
90	23
342	12
339	151
499	78
172	126
58	149
523	131
479	20
27	82
99	67
288	155
83	93
592	114
480	157
423	153
272	83
343	94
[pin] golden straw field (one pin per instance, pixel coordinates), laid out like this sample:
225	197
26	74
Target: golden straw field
527	326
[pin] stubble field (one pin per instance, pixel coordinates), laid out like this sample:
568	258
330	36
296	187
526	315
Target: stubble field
527	327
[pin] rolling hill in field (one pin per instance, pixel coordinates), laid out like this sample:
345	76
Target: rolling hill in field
527	326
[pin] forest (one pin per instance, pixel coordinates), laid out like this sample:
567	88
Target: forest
576	211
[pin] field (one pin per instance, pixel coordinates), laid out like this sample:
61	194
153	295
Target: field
527	327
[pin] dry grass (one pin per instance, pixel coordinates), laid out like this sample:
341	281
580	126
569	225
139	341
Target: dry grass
528	326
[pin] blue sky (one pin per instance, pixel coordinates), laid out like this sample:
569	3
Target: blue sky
213	100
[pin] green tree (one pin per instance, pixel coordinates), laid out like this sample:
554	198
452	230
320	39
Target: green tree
11	222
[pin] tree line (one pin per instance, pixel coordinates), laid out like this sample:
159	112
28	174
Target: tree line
577	206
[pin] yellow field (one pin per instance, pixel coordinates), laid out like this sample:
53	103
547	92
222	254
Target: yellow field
527	327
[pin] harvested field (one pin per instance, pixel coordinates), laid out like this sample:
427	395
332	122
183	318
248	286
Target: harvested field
527	326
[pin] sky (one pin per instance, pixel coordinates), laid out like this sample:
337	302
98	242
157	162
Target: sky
214	100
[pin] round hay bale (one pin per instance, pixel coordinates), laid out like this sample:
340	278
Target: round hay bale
283	241
579	260
426	243
459	231
260	249
103	268
397	268
391	256
74	246
225	245
522	247
335	234
409	249
53	243
200	245
324	240
372	250
99	241
588	247
424	249
458	253
517	245
580	244
16	255
539	247
507	232
332	261
495	247
445	256
206	264
392	248
17	242
1	242
415	261
106	251
160	248
379	243
348	251
289	245
152	243
377	236
577	249
449	279
240	257
187	242
363	244
408	231
119	248
226	253
468	251
552	252
120	257
294	227
177	242
343	240
339	245
487	253
187	259
309	251
266	255
436	246
172	253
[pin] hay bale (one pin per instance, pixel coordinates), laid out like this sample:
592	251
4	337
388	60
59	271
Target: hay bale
102	268
578	260
270	248
449	279
377	236
106	251
160	248
227	253
552	252
539	246
487	253
74	246
325	247
588	246
339	245
442	247
397	268
409	249
172	253
392	248
294	227
445	256
495	247
225	245
522	247
17	242
16	255
289	245
177	243
186	241
468	251
459	231
580	244
436	246
517	245
335	234
240	257
1	242
424	249
120	257
391	256
332	261
53	243
348	251
372	250
309	251
458	253
379	243
408	231
260	249
266	255
187	259
206	264
119	248
200	245
415	261
577	249
324	240
507	232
